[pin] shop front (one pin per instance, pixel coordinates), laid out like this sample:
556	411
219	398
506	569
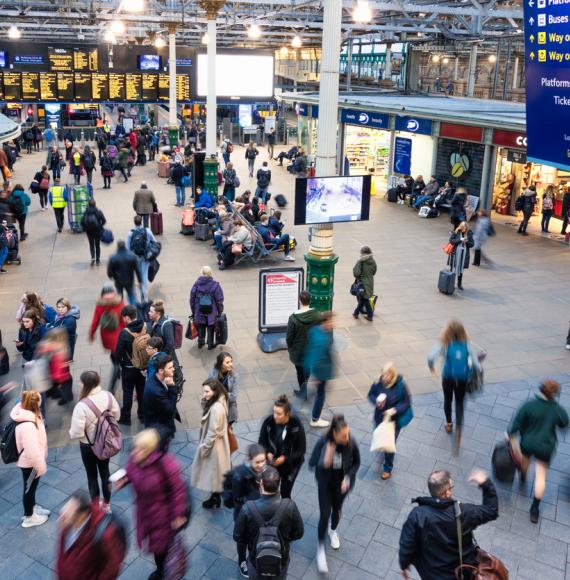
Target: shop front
418	131
307	122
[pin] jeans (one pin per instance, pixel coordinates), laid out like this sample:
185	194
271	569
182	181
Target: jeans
29	497
524	223
302	377
251	165
107	181
270	148
330	505
362	305
77	177
94	246
130	293
115	373
420	199
389	457
180	195
93	467
218	240
202	334
123	173
229	192
56	172
564	225
89	174
3	255
282	240
319	400
132	380
145	219
546	215
59	216
453	387
143	265
287	483
226	158
262	193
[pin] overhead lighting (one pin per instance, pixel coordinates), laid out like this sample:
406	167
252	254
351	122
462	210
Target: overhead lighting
205	39
110	37
160	42
254	31
133	5
117	27
14	32
296	42
445	60
492	58
284	51
362	12
435	58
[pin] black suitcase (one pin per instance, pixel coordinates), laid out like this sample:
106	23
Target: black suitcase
280	200
504	467
222	329
393	195
202	231
446	284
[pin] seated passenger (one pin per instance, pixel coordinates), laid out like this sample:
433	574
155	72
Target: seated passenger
429	192
203	200
444	196
257	209
299	166
270	241
417	188
291	154
240	236
405	189
275	224
225	229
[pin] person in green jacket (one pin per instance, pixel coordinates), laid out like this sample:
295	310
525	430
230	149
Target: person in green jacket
19	202
536	421
298	326
364	271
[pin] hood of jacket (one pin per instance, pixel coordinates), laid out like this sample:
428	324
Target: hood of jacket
529	193
366	257
206	284
265	169
74	311
111	299
308	317
136	325
434	502
18	414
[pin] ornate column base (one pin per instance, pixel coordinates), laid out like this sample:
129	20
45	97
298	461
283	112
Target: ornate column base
211	176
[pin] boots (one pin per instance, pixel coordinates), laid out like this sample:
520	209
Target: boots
460	282
534	511
213	501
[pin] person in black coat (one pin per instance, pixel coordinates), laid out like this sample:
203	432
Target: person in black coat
92	223
428	540
29	335
565	210
122	268
283	437
457	212
162	327
417	188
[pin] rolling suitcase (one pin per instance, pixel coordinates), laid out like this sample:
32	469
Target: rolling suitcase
202	231
13	245
222	329
446	284
187	225
393	195
156	223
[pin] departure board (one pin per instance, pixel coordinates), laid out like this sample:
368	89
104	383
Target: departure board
48	86
133	84
30	86
149	87
80	60
1	88
94	60
99	87
116	87
182	88
163	87
60	59
82	86
12	86
65	87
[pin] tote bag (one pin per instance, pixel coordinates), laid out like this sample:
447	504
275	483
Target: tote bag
384	436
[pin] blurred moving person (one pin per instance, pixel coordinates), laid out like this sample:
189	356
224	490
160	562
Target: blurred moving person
364	271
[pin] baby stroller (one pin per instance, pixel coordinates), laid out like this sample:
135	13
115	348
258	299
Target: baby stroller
13	245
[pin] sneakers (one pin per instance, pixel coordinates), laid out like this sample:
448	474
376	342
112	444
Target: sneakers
40	511
289	258
335	540
322	560
568	346
34	520
243	569
320	423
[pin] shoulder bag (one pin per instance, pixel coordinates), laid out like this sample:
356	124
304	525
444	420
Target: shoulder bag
232	439
449	248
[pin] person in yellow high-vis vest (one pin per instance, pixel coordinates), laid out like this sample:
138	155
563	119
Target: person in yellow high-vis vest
58	200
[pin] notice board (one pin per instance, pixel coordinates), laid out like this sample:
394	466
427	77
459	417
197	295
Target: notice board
279	290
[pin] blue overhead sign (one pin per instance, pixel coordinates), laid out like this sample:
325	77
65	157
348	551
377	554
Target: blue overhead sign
403	156
547	40
28	59
414	125
306	110
364	118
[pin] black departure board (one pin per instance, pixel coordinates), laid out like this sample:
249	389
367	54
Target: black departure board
82	83
1	88
163	87
65	87
94	60
81	60
182	88
60	59
48	86
31	86
99	87
149	87
133	84
116	87
12	86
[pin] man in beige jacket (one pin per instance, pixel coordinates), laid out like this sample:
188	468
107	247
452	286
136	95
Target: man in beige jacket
144	203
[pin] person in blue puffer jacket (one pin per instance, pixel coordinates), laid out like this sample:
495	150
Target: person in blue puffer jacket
67	317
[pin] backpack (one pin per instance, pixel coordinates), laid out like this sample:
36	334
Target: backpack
268	547
88	162
229	148
139	358
457	364
17	205
178	331
263	179
205	304
185	181
91	222
227	489
108	438
8	447
138	241
109	320
519	203
504	468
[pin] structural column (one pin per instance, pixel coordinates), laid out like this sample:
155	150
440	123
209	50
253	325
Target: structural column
472	71
172	104
388	67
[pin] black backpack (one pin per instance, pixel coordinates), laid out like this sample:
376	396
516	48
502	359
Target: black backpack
269	558
205	304
519	203
88	162
8	447
17	205
138	242
263	179
227	489
91	222
504	468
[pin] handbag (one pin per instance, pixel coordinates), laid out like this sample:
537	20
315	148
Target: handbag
384	436
237	248
176	560
234	445
357	288
449	248
191	329
107	236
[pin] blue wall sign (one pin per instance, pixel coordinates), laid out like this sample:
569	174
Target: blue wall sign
547	34
364	118
306	110
403	156
414	125
28	59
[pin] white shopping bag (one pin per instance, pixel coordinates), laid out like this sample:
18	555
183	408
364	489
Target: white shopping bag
384	436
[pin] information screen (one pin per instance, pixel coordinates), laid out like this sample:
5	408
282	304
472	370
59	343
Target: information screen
99	87
30	86
65	87
94	60
133	87
12	86
80	60
149	87
82	86
1	88
60	59
116	87
48	87
182	88
163	87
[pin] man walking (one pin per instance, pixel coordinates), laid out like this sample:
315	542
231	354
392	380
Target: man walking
122	268
256	517
144	203
58	201
263	180
429	539
178	174
137	242
271	142
298	326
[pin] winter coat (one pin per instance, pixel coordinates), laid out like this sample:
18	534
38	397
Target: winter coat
397	397
177	173
251	153
364	271
144	201
133	140
159	404
54	160
481	231
230	381
165	330
99	218
418	186
529	201
31	440
160	499
84	421
298	327
263	177
212	460
205	201
319	358
293	445
86	561
229	176
25	198
455	239
203	286
350	455
108	303
122	268
69	322
30	339
124	350
565	204
245	486
428	540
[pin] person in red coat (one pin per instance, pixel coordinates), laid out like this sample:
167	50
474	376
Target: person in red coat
133	139
80	556
107	315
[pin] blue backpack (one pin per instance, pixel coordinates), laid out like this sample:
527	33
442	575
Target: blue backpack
457	362
185	181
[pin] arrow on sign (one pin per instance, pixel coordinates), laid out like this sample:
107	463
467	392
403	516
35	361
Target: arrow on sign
531	56
531	37
531	20
531	3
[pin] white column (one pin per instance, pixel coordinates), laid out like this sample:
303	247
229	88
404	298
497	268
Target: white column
172	106
516	73
456	69
472	70
388	67
211	106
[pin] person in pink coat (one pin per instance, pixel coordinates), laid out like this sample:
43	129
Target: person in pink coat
31	441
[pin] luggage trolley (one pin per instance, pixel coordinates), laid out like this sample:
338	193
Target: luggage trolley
77	197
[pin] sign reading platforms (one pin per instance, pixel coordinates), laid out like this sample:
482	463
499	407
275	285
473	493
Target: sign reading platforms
547	39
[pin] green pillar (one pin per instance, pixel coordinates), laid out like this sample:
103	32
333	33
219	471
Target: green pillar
320	280
211	176
173	136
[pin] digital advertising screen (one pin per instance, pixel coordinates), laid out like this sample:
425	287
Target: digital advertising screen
116	87
149	62
3	59
12	86
133	84
82	83
238	75
163	87
149	87
48	86
30	86
60	59
99	87
65	87
325	200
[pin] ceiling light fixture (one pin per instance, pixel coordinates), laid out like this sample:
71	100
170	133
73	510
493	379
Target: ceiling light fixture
159	42
117	27
296	42
205	39
254	32
14	32
362	13
445	60
492	58
435	58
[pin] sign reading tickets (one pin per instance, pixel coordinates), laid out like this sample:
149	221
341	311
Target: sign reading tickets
547	40
279	290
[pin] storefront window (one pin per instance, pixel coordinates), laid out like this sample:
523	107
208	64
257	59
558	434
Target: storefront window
367	151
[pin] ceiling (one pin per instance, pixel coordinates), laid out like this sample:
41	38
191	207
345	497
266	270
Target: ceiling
69	21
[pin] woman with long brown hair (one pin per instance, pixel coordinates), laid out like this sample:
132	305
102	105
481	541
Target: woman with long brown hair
31	442
461	240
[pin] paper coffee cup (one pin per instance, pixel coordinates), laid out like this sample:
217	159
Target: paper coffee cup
118	475
381	398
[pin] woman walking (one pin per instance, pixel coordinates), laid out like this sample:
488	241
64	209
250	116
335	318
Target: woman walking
55	349
106	164
459	361
231	181
251	153
89	160
528	202
537	421
206	304
212	458
390	397
92	223
364	271
548	200
84	423
461	240
224	372
336	460
283	437
43	187
31	442
483	228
